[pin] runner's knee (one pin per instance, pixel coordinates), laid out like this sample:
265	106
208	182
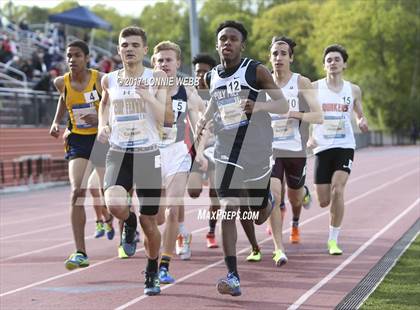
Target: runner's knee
337	190
77	193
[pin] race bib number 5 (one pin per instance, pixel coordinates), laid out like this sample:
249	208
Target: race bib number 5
179	106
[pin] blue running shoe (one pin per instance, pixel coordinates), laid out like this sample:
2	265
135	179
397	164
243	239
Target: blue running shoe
99	229
151	284
229	285
76	260
164	276
109	230
128	241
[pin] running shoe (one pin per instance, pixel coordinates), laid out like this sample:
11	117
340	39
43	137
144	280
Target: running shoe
254	256
294	235
109	230
99	229
307	199
128	241
186	247
164	276
76	260
279	258
333	248
151	284
229	285
211	241
121	252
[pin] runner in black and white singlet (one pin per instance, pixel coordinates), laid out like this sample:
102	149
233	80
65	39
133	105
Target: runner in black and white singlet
176	161
131	115
243	132
289	143
333	141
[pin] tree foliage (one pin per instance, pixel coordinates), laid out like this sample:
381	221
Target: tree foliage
294	20
381	36
382	39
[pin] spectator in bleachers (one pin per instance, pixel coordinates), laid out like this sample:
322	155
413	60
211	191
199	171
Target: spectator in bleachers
46	81
8	49
106	64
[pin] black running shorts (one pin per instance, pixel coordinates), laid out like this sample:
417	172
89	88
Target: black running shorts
331	160
294	169
245	181
141	170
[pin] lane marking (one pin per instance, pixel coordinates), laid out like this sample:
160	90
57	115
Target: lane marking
59	245
136	300
77	270
202	229
333	273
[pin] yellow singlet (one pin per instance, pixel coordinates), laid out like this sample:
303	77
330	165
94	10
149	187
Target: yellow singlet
82	103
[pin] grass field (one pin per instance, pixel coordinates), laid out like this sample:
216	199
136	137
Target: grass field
401	287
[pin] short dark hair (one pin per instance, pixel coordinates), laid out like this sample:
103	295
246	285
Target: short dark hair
134	31
286	40
80	44
204	58
233	24
336	48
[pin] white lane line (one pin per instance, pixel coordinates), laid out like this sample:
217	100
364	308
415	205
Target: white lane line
333	273
61	226
186	277
114	258
136	300
31	219
194	203
78	270
58	246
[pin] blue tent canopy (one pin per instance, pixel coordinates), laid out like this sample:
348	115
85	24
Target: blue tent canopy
80	17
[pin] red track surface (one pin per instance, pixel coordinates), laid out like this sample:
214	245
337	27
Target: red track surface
382	202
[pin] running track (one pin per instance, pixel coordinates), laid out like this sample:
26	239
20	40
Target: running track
382	202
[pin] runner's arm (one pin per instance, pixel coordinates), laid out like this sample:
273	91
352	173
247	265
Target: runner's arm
278	104
61	108
308	92
358	108
103	113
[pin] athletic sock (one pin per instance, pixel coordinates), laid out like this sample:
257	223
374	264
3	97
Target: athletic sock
230	262
212	225
165	260
81	252
295	221
334	231
152	265
131	220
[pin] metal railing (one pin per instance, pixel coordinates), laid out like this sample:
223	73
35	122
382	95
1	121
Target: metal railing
25	107
5	68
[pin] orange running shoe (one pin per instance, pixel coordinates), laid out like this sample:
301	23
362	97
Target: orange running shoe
294	235
211	241
179	244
